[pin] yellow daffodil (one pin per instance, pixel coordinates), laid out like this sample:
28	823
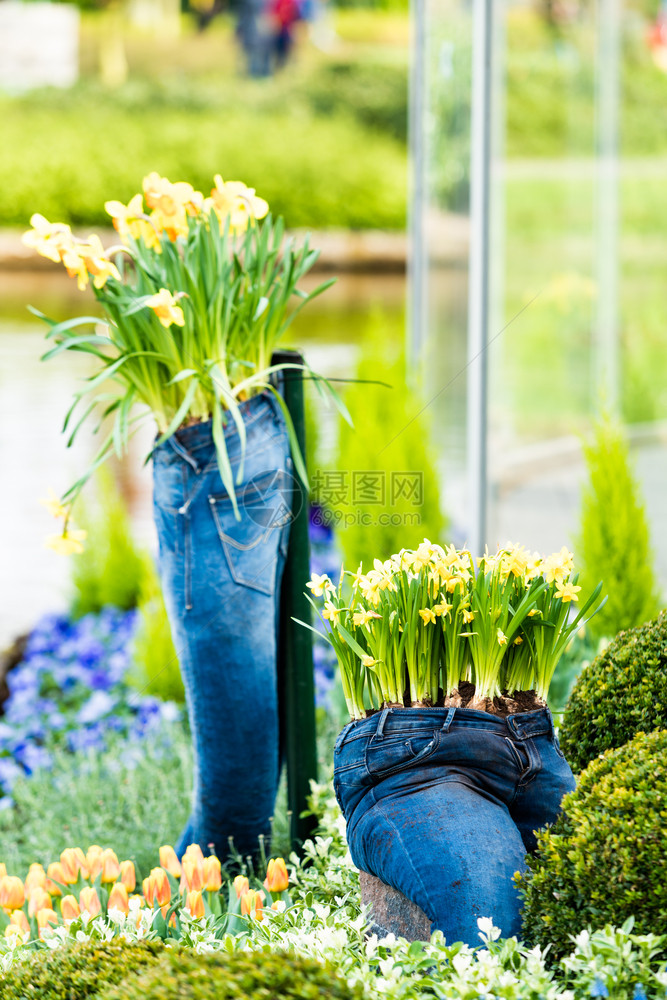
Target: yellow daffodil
67	543
171	204
368	661
95	261
236	202
318	584
427	615
442	609
163	304
363	617
518	641
468	615
50	239
330	612
501	637
54	506
75	266
567	592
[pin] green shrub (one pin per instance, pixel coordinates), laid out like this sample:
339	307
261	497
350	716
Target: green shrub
390	497
77	971
155	668
111	569
182	975
621	693
614	543
376	94
605	857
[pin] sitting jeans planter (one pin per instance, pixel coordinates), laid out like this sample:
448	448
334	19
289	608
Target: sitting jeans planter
442	804
221	580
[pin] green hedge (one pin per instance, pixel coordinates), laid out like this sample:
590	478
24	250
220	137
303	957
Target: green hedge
78	971
183	975
66	160
605	857
622	692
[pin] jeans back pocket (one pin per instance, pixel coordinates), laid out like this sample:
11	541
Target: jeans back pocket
391	754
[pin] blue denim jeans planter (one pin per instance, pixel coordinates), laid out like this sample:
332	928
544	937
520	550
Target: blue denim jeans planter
221	580
442	804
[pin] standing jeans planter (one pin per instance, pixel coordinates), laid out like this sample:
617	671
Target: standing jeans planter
221	579
442	804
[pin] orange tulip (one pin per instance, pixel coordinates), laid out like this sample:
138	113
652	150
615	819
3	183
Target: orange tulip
12	930
90	901
118	899
251	905
212	873
69	908
35	879
241	884
44	919
55	879
193	853
12	895
128	876
194	904
276	876
110	866
157	888
39	900
3	869
73	861
169	860
19	919
94	861
193	874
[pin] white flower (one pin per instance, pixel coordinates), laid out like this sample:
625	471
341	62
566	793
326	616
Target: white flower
487	931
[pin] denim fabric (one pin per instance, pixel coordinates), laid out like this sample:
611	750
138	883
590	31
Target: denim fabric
221	580
442	804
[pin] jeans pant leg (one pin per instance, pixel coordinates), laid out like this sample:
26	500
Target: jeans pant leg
221	577
428	808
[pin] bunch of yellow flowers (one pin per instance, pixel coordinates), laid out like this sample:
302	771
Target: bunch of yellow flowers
417	625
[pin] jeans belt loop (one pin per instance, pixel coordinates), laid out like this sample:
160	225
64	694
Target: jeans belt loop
551	721
379	732
448	721
182	453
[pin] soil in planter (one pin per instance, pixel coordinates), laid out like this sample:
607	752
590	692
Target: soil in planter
464	697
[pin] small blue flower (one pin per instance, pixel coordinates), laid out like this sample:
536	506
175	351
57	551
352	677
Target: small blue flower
639	993
598	989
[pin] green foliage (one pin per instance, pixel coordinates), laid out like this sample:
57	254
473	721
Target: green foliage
182	975
621	693
78	971
155	668
605	858
314	171
391	442
131	797
376	94
111	569
614	543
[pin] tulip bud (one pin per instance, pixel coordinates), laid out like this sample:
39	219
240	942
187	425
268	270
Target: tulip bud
19	919
212	874
251	905
69	908
276	876
12	930
193	874
90	901
55	879
157	888
35	879
148	887
193	853
12	895
44	919
194	904
94	861
128	876
39	900
73	861
118	899
110	866
241	885
169	860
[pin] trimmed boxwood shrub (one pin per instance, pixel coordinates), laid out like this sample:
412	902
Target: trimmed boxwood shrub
185	975
605	857
78	971
622	692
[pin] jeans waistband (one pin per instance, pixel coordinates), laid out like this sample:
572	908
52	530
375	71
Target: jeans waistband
520	726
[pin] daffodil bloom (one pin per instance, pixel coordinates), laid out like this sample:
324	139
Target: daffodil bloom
501	637
363	617
236	202
442	609
171	204
54	505
368	661
96	262
318	584
467	615
163	304
427	615
49	239
75	266
567	592
518	640
66	543
330	612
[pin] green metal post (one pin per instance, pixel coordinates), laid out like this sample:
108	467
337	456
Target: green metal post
295	651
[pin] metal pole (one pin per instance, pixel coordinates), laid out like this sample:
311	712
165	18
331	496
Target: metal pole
418	255
296	682
479	270
608	369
